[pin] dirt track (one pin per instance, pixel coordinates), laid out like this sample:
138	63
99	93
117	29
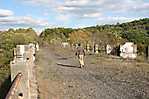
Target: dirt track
102	78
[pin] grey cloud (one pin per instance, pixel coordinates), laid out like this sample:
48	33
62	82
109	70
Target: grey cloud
5	13
23	21
45	3
143	7
95	9
102	6
7	20
80	8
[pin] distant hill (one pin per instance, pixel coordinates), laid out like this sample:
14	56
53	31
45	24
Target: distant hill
136	31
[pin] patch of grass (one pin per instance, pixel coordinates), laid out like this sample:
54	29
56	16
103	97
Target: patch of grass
49	62
140	59
94	59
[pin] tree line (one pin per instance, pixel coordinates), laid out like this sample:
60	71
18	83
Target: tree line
136	31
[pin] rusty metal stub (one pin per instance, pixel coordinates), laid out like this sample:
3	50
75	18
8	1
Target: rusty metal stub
14	86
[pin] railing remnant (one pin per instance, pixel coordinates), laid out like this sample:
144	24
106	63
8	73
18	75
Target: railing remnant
11	94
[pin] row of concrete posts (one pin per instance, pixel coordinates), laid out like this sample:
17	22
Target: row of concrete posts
126	51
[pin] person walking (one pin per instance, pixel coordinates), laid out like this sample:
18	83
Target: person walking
80	53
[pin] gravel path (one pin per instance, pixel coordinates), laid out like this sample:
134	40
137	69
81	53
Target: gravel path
60	78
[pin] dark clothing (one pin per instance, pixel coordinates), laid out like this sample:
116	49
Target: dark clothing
80	51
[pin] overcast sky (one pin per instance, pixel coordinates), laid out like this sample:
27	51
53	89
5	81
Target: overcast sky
39	14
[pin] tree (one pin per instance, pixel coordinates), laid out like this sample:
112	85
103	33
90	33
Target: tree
80	36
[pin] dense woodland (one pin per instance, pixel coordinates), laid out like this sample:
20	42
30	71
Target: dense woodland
136	31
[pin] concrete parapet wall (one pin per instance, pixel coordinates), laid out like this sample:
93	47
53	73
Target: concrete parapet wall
24	57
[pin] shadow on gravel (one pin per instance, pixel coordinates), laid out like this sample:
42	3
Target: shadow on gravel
66	65
62	58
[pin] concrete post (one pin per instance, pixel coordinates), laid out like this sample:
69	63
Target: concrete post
96	49
108	49
37	47
24	63
88	48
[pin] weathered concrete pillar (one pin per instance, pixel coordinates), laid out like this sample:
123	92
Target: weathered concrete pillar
128	50
96	49
37	47
108	49
88	48
24	63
